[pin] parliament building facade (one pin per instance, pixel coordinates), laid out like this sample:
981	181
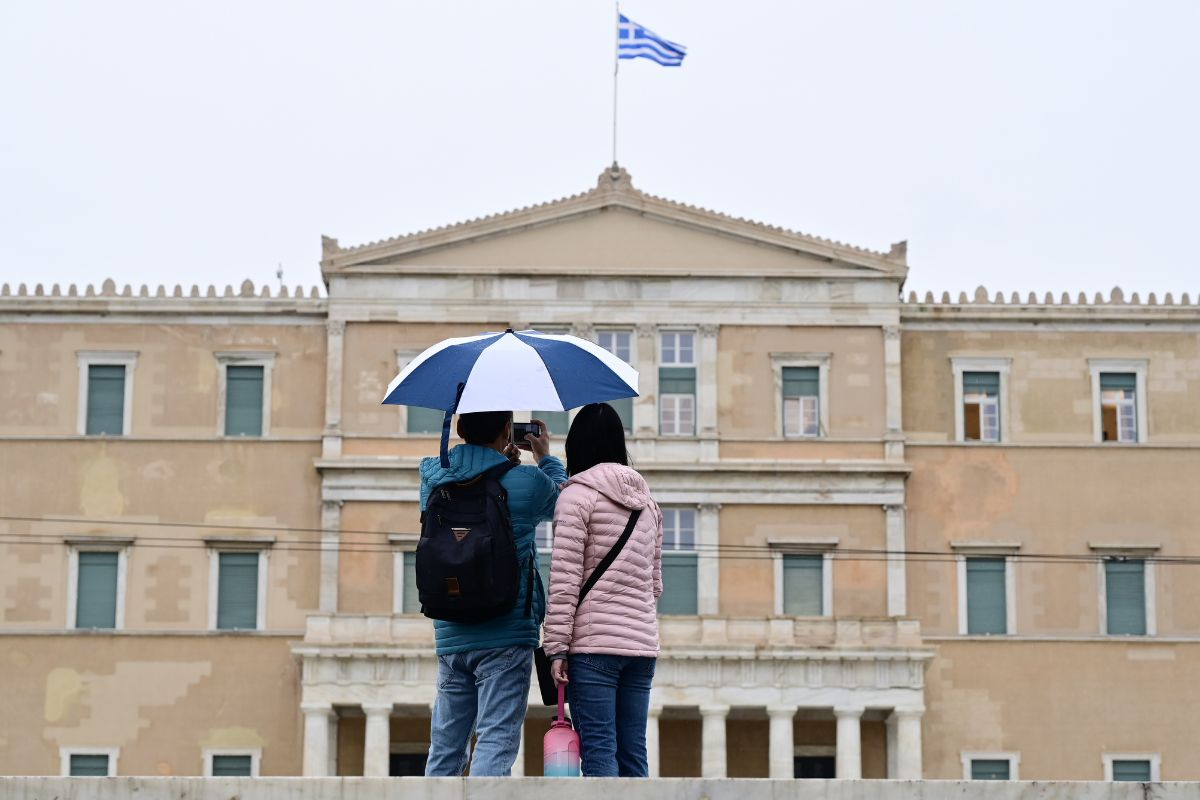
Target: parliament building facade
933	537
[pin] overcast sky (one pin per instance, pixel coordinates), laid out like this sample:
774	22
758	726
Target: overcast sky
1025	145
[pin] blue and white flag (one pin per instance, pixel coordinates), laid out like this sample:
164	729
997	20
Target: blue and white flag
635	41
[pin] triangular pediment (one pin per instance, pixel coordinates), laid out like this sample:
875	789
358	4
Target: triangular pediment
614	229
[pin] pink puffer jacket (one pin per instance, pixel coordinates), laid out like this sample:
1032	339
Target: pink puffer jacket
619	615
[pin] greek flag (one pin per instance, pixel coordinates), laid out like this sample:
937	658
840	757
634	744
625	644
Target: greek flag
634	41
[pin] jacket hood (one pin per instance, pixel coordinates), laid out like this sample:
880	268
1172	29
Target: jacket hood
466	461
623	485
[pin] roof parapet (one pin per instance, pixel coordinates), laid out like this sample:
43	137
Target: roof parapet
1116	297
109	289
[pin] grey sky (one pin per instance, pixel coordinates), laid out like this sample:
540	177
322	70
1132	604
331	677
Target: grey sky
1024	145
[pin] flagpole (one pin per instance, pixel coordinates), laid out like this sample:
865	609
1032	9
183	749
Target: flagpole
616	70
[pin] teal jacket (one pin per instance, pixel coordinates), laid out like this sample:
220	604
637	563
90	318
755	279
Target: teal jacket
532	494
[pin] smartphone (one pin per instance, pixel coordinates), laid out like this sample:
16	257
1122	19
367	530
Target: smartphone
519	429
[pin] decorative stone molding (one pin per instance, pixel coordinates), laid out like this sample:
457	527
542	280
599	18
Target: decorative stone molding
109	289
1116	297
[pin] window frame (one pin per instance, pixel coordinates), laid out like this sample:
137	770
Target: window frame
216	547
65	753
1155	760
1143	553
402	543
1139	367
106	358
823	547
961	364
97	544
1013	759
694	365
255	754
247	358
616	330
1005	550
822	361
674	551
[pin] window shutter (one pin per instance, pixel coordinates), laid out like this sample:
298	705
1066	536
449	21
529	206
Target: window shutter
411	602
679	584
981	383
1118	381
425	420
89	765
801	381
1125	590
1129	770
106	400
986	603
677	380
624	409
96	595
803	589
231	766
544	569
237	591
243	401
989	769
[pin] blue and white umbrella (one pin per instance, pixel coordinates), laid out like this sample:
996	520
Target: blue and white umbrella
508	371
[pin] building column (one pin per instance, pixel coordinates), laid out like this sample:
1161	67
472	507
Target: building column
331	438
317	719
782	748
849	742
652	746
894	437
645	360
518	767
378	747
712	741
897	576
331	526
707	396
908	743
708	567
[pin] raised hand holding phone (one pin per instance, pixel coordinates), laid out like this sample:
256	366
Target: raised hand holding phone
539	440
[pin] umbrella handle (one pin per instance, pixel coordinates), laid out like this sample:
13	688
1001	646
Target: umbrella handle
445	452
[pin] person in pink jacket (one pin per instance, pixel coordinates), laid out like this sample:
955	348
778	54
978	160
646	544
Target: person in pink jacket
607	646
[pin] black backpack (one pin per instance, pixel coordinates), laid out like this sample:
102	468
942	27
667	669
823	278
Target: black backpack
467	565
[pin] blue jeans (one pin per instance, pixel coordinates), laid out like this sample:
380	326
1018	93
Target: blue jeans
610	702
485	692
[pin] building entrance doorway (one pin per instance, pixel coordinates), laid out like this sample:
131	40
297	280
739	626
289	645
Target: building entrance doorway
815	767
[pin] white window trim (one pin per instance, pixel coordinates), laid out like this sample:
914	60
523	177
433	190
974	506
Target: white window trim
819	360
695	422
1154	758
65	753
1139	367
403	543
630	332
266	360
1013	759
1135	551
961	364
804	547
1006	550
255	754
115	358
695	343
218	546
96	545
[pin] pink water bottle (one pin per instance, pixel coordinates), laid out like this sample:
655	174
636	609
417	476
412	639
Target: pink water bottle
561	746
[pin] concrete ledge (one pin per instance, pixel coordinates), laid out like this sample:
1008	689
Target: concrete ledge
37	788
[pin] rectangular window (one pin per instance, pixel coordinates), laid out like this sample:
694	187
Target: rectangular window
544	534
801	401
1125	596
105	400
96	590
678	348
981	406
803	585
237	591
677	401
232	766
679	567
1118	407
990	769
411	602
986	596
89	765
1132	770
243	400
620	344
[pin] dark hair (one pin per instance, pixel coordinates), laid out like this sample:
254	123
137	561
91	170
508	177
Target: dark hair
483	427
597	436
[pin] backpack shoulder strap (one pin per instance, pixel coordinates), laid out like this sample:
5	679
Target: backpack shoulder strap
610	556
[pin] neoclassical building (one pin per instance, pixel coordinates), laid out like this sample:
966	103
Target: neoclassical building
904	538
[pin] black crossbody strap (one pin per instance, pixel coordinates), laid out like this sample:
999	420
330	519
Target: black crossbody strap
611	556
